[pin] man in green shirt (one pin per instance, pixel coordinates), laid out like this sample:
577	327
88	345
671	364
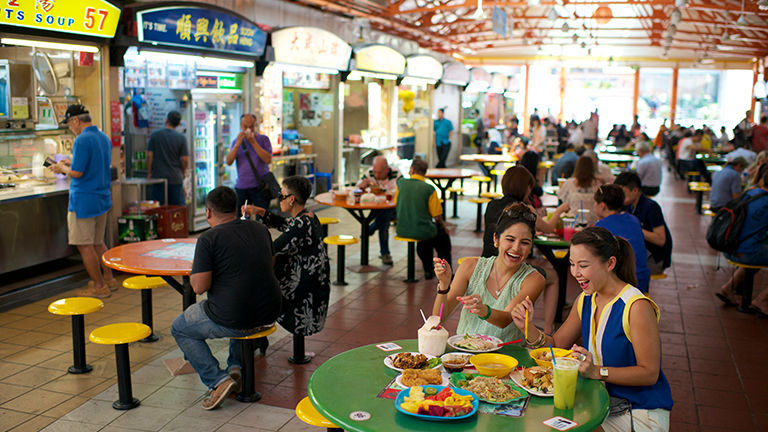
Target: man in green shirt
420	217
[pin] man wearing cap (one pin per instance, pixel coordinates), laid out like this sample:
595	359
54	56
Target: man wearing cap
89	197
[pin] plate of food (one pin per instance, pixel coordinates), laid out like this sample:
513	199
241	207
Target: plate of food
424	402
418	377
536	380
455	361
488	389
411	360
474	343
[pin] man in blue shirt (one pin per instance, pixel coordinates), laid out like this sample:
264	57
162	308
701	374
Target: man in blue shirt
648	168
89	197
609	200
726	184
443	128
567	160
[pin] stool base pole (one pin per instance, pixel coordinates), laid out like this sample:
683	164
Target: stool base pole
746	290
146	314
340	267
455	206
411	263
299	355
78	346
126	400
478	224
248	391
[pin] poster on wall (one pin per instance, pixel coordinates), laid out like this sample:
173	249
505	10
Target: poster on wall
314	108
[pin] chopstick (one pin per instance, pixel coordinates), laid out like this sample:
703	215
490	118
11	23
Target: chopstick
510	342
526	322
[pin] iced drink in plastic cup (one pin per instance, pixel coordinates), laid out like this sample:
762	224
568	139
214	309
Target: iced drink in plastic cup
566	374
568	232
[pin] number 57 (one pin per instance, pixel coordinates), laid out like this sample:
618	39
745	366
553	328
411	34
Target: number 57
90	20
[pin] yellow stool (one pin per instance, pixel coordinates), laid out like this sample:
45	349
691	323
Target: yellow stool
455	191
480	180
491	195
307	413
691	174
747	284
708	212
496	174
324	222
120	335
411	276
699	188
560	253
479	202
248	391
341	241
659	276
145	284
461	260
77	307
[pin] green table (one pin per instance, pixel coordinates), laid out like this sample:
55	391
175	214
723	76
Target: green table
709	159
621	159
616	150
351	381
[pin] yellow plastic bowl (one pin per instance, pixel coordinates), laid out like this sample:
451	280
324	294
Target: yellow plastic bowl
482	361
544	363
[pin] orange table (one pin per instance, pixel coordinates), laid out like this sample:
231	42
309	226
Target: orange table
165	258
357	211
437	175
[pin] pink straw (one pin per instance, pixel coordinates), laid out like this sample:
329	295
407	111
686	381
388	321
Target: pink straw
440	316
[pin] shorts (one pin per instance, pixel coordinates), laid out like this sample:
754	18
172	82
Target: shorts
86	231
656	420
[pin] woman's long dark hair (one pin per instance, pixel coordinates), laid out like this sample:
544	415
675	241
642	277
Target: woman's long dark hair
602	244
530	161
584	172
514	214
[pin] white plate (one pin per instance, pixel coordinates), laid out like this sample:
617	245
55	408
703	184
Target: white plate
400	383
517	378
388	360
457	338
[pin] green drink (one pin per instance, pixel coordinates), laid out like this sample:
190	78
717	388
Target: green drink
565	376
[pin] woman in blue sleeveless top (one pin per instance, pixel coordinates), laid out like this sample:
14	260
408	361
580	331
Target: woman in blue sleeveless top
619	327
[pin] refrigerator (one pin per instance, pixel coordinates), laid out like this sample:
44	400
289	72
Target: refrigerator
216	122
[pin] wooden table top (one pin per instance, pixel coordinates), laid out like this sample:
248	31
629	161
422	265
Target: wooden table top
489	157
166	257
449	173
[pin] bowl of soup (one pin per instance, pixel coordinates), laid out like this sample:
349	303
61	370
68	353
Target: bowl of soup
492	364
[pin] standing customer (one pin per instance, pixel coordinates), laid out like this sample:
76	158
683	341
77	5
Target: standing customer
168	158
578	191
253	153
420	217
385	177
648	168
300	262
233	267
89	197
443	129
760	135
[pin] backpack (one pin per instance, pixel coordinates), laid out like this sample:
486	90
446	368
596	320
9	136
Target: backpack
723	232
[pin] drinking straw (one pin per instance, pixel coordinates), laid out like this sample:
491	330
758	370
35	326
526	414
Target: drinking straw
551	351
581	208
440	316
422	316
244	205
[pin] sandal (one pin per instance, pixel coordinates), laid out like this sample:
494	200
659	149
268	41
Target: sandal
758	309
112	284
725	298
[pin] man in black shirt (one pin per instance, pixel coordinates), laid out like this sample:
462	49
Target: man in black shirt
233	265
168	158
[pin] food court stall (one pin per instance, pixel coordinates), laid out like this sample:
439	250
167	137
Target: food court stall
300	100
473	105
415	113
51	55
447	95
370	107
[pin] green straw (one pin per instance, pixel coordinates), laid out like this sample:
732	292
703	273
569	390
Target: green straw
554	363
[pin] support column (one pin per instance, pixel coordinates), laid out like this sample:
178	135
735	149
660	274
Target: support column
562	92
636	94
673	101
755	69
526	120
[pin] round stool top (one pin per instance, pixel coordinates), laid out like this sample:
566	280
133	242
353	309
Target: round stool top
75	306
497	172
340	240
491	195
560	253
738	264
462	259
405	239
328	220
119	333
144	282
481	178
455	189
307	413
479	200
658	276
260	334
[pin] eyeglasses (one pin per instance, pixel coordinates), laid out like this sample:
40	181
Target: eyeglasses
282	197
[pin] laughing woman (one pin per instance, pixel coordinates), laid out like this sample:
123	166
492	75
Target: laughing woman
490	287
619	325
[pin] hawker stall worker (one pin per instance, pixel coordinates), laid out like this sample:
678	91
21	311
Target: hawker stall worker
233	267
490	287
619	327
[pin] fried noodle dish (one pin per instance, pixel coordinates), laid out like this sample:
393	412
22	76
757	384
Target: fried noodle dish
410	361
491	389
416	377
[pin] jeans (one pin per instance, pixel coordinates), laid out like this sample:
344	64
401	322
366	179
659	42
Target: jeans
759	257
442	154
255	197
176	194
441	243
381	222
191	329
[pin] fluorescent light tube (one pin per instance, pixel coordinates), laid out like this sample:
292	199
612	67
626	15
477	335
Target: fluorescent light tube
50	45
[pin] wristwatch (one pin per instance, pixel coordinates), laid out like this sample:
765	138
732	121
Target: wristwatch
603	373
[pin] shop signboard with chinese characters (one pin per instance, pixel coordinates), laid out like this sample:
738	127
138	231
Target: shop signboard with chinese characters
199	28
96	18
310	46
455	73
424	66
380	59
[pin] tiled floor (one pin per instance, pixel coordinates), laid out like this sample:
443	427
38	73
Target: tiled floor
714	357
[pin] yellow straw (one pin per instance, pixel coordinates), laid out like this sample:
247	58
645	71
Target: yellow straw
526	323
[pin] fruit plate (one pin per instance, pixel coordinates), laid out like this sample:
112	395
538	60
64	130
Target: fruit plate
401	398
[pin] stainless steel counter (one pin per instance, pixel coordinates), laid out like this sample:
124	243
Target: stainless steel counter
33	189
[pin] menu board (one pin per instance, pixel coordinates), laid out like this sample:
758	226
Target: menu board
135	72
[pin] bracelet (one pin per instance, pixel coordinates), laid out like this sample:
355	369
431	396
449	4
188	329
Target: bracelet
488	315
539	342
445	291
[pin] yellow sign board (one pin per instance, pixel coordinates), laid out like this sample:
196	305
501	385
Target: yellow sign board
83	17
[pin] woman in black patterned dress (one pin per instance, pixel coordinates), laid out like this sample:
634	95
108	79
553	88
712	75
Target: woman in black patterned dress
301	264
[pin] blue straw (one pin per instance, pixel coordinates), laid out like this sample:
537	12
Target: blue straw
554	363
581	207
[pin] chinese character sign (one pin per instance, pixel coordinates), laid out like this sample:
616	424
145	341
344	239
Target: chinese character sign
200	28
310	46
84	17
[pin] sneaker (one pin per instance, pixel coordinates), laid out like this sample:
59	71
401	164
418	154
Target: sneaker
387	259
236	374
92	291
218	395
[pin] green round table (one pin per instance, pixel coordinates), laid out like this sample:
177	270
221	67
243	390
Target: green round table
616	158
709	159
616	150
351	381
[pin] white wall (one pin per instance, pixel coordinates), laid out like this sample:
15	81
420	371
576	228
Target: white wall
449	97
